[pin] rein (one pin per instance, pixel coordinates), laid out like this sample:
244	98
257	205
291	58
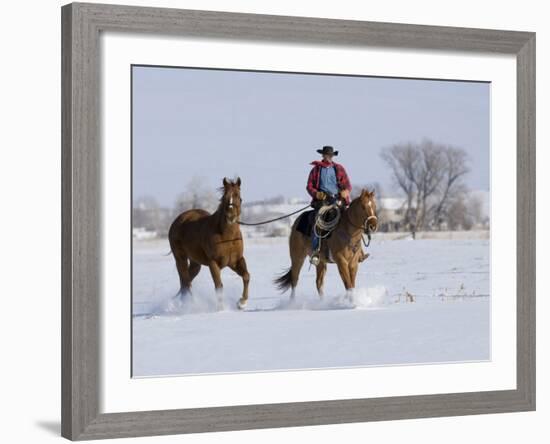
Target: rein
275	219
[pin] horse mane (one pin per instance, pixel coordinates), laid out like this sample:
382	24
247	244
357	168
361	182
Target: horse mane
354	202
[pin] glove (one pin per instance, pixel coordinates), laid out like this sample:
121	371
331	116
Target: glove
344	194
319	195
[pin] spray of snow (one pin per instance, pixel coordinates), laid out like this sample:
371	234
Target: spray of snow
196	303
177	305
373	297
192	303
362	298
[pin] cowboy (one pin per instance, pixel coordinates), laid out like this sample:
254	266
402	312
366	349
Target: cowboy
327	182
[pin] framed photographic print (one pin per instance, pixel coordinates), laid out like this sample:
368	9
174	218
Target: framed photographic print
278	221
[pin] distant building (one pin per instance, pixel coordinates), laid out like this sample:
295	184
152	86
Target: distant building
149	217
391	213
142	233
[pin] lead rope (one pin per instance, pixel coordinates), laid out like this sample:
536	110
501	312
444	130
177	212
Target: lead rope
250	224
366	244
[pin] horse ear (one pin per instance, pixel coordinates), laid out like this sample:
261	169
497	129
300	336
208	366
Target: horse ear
238	181
225	182
363	192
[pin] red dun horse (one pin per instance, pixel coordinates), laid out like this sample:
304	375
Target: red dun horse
213	240
344	246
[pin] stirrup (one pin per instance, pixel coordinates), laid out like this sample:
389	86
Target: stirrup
314	259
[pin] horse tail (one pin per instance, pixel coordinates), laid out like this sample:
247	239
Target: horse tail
284	281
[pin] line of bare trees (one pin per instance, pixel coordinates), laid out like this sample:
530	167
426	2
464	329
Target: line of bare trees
197	194
430	175
148	214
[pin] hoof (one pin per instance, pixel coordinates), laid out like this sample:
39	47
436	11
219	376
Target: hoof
241	304
182	294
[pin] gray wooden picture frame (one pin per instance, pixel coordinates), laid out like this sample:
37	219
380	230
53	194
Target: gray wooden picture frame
81	175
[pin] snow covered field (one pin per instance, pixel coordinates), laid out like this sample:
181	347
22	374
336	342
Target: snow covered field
421	301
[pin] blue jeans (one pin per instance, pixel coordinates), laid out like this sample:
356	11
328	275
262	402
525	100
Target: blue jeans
314	241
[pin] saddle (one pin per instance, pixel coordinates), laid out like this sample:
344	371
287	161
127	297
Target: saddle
305	222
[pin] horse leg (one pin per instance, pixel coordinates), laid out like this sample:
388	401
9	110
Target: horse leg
241	269
194	268
183	271
344	270
321	271
297	262
299	248
353	267
216	277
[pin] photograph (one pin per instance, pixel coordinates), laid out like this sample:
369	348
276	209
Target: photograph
286	221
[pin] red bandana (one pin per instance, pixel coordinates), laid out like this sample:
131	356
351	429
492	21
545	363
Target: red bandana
323	163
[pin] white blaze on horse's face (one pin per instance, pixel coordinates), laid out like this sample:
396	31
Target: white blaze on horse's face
233	207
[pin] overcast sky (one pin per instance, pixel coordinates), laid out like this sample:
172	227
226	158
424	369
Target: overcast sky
265	127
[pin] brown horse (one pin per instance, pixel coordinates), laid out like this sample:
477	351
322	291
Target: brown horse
213	240
344	246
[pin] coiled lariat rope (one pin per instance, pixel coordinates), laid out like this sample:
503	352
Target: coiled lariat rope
275	219
326	225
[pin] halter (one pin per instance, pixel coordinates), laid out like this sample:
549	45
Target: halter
365	227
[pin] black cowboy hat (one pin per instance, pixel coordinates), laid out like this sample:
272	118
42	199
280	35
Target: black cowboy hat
328	150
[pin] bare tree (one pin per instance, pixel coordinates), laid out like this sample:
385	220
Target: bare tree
403	162
196	195
428	177
459	217
371	186
148	214
145	212
429	174
455	168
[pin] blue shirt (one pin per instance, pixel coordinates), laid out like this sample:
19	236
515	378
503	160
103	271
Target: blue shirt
327	180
